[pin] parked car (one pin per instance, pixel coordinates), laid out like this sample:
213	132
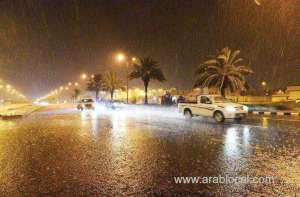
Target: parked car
214	106
86	103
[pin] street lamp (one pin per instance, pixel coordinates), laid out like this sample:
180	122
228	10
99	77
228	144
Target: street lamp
264	84
83	76
120	57
133	59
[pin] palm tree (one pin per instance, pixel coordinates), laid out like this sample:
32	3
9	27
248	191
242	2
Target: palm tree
111	82
95	84
77	92
147	69
223	71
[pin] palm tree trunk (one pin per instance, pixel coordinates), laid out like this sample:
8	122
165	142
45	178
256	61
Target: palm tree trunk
223	91
222	87
97	95
111	95
146	92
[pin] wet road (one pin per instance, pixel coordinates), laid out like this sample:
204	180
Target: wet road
139	151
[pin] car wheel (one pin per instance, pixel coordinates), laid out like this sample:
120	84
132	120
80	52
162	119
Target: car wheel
188	114
219	117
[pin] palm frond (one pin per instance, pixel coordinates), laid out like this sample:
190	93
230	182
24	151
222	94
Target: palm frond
111	82
202	68
223	71
147	69
233	56
95	83
235	62
211	61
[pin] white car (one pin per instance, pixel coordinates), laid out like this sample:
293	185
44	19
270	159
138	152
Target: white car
214	106
86	103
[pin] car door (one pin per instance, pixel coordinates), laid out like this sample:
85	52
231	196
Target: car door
206	106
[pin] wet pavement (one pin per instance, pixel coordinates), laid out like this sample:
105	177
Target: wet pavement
137	151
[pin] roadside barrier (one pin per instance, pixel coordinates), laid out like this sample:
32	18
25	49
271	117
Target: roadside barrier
275	113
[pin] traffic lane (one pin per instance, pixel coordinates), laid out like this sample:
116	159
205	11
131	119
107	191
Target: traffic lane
116	153
168	114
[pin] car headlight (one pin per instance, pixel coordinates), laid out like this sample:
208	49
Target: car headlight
230	109
245	108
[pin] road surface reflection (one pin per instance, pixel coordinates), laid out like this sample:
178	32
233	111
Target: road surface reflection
138	152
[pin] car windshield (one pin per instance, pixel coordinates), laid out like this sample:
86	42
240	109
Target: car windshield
220	99
87	100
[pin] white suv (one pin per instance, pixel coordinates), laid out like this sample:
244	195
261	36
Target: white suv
86	103
214	106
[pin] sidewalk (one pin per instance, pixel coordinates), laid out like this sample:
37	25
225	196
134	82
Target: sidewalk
11	111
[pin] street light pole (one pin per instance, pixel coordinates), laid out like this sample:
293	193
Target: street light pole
127	81
120	57
264	84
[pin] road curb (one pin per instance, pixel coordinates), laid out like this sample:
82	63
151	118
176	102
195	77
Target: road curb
10	117
275	113
17	116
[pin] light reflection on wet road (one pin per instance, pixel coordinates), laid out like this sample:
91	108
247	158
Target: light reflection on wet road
138	151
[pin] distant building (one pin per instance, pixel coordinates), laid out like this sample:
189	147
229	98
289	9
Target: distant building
279	97
293	92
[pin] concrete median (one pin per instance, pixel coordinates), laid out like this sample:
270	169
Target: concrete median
276	113
13	111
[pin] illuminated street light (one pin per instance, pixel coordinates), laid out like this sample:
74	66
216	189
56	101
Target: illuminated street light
264	84
8	86
76	84
83	76
92	76
120	57
133	59
70	83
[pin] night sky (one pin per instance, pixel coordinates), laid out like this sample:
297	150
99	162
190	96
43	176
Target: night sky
46	43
